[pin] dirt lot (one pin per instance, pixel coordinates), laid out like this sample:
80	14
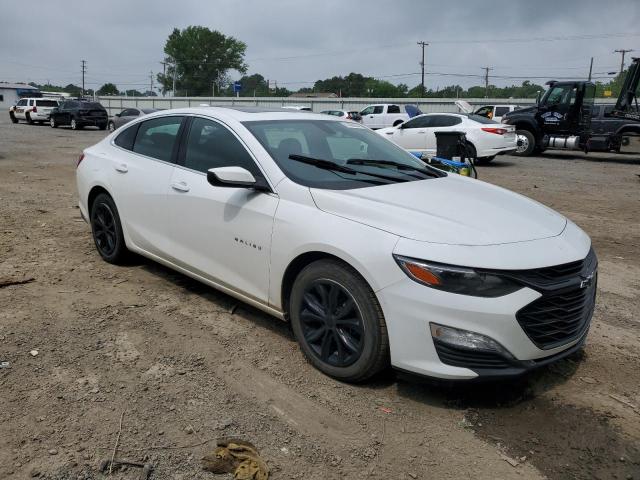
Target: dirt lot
166	353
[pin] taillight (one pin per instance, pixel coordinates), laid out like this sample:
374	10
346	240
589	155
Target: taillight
35	109
497	131
80	158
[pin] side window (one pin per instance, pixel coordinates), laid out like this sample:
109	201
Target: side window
21	103
130	112
367	111
156	138
595	111
393	109
607	110
500	111
418	122
211	145
378	109
127	137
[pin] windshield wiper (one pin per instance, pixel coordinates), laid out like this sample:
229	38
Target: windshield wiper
328	165
398	165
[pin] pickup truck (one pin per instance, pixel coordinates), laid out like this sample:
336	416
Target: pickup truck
492	112
383	115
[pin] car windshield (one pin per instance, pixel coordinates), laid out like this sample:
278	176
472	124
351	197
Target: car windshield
369	159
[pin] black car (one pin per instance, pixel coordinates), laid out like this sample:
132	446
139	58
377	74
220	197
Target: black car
79	113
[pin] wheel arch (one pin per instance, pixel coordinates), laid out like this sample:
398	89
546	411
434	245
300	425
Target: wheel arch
93	193
299	263
632	128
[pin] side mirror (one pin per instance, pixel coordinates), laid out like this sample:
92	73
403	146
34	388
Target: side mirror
236	177
118	114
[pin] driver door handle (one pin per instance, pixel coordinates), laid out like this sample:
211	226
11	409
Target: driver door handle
180	186
122	168
420	131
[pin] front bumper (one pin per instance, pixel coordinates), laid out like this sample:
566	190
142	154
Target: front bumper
410	308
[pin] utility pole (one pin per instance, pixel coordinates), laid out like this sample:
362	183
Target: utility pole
175	70
590	68
486	81
622	51
84	70
422	44
164	75
151	82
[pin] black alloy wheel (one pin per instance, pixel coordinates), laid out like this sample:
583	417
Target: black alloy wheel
107	230
332	323
338	322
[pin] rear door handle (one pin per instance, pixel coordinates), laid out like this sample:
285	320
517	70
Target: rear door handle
180	186
420	131
122	168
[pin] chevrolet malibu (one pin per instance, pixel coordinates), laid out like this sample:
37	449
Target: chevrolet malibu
375	258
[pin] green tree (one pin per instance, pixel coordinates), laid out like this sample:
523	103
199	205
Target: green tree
199	57
108	89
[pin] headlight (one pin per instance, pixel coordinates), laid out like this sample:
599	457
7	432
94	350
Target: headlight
461	280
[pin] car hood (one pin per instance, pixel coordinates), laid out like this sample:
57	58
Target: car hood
449	210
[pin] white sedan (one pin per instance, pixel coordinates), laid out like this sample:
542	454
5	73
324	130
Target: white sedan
324	223
485	138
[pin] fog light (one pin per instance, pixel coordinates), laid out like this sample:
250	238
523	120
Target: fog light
466	339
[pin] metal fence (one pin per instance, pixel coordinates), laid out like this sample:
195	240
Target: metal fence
427	105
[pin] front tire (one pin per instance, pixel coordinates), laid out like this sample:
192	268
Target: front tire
526	143
13	118
75	125
107	230
53	123
338	322
102	126
484	160
112	127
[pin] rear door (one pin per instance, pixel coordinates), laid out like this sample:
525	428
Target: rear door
220	233
140	173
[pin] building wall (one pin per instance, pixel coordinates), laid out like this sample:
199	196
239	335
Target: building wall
9	97
427	105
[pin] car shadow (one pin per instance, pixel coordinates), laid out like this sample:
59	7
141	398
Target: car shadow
625	158
495	164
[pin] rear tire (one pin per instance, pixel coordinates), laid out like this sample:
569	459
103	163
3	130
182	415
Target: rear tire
102	126
107	230
527	143
53	123
338	322
13	117
28	118
75	125
471	153
112	127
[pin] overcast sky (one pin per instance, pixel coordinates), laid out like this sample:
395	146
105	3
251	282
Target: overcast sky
298	41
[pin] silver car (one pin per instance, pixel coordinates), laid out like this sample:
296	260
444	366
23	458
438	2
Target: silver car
127	115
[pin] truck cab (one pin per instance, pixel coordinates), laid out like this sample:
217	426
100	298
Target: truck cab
383	115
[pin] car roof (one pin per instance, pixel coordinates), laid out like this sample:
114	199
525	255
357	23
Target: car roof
245	114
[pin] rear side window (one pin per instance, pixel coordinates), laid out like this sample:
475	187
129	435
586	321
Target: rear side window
46	103
127	137
418	122
156	138
91	106
393	109
211	145
445	120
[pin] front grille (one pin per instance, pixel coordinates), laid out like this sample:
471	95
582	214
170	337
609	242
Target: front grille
464	357
564	310
556	319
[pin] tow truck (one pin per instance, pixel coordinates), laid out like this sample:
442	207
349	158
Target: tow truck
563	118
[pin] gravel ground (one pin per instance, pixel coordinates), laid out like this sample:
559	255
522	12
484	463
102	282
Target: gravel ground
166	354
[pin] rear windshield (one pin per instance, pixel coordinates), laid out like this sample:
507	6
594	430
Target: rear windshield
91	105
46	103
480	119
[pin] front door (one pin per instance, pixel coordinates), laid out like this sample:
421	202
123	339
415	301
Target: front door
220	233
412	134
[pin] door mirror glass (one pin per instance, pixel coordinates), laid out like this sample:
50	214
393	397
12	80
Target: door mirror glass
234	177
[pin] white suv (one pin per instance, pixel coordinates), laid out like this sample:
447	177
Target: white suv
326	224
32	110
